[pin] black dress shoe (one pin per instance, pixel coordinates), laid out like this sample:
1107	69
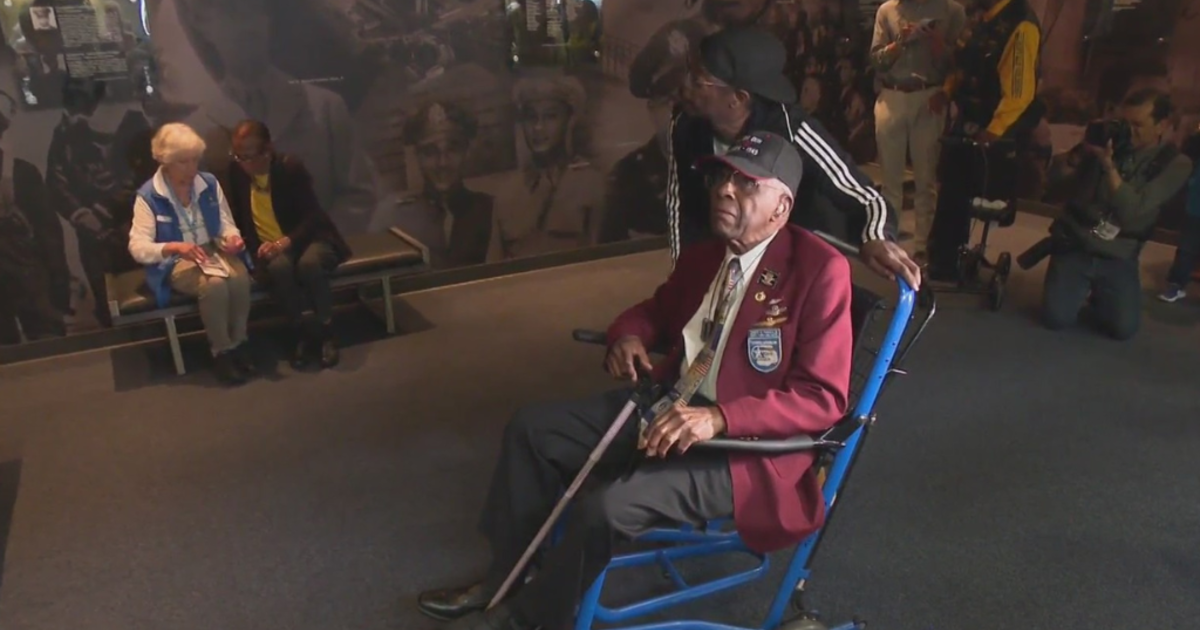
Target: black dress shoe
302	349
227	369
447	604
244	359
330	356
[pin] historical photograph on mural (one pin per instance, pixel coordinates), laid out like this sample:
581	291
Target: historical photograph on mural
76	79
488	129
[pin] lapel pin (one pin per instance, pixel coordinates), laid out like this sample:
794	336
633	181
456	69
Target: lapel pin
760	296
768	277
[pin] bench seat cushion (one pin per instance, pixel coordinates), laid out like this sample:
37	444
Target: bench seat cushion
372	253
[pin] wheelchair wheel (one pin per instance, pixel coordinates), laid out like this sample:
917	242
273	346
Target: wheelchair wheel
1004	264
996	291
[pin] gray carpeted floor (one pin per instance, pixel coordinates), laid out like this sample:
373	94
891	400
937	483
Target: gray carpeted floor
1017	479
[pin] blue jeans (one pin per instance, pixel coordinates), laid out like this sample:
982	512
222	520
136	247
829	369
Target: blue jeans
1113	285
1187	253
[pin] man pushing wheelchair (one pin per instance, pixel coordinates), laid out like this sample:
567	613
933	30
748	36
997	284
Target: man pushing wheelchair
757	324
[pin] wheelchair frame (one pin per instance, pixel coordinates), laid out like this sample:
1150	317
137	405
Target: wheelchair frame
838	450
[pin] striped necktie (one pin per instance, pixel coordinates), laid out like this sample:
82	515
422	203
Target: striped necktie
687	385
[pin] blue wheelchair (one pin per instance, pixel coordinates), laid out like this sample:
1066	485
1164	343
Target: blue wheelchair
880	346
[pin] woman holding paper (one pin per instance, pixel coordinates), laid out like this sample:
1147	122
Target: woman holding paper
185	235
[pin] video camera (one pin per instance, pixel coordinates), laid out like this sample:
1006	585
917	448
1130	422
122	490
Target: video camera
1058	241
1117	131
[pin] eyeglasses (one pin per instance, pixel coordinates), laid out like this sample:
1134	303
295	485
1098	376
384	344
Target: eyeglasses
246	157
718	176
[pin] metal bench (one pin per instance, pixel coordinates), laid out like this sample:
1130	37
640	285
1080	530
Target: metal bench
376	258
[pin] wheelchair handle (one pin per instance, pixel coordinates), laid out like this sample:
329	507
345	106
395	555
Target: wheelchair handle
583	335
838	244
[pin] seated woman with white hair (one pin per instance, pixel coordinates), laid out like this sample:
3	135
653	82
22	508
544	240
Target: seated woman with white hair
184	233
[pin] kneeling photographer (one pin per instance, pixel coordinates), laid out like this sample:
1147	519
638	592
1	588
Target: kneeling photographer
1123	172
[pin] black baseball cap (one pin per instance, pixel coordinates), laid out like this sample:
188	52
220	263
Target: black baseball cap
763	155
748	58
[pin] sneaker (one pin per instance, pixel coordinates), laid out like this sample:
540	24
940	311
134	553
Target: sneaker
1174	293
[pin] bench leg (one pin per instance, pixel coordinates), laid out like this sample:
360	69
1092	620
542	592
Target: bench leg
388	308
173	338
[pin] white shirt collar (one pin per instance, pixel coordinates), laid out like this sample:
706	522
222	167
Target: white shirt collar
160	185
752	255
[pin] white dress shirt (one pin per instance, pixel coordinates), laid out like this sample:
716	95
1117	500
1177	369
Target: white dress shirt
142	245
693	341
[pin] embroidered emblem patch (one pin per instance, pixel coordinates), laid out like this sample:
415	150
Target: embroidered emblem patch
765	348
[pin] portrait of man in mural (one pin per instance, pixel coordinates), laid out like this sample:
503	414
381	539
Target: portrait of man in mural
216	54
85	170
44	69
32	265
455	222
636	196
556	200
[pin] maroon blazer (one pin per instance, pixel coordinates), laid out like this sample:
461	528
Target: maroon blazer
776	498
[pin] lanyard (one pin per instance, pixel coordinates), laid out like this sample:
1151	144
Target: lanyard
182	212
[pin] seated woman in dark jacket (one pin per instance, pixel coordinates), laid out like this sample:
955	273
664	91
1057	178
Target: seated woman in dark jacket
294	244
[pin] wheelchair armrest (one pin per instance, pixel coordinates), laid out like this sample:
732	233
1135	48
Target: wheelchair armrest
775	447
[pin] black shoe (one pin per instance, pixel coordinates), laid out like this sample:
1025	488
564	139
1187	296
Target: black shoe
448	604
228	371
302	350
498	618
330	356
244	359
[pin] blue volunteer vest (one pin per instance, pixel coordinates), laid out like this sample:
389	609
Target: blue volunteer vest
168	230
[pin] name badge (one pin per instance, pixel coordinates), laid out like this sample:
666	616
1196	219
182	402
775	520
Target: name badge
765	348
1106	231
163	219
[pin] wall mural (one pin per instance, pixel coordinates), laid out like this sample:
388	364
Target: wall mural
490	129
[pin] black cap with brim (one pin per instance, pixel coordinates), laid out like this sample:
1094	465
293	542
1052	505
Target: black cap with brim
750	59
762	155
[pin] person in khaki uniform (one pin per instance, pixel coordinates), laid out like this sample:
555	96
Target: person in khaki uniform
555	202
912	51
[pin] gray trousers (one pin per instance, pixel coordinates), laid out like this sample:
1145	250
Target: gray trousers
224	302
292	277
543	447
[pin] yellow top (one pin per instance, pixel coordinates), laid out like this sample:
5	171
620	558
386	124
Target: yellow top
1018	77
1017	69
265	222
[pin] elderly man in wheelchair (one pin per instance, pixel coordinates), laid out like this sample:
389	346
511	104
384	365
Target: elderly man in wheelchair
758	338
